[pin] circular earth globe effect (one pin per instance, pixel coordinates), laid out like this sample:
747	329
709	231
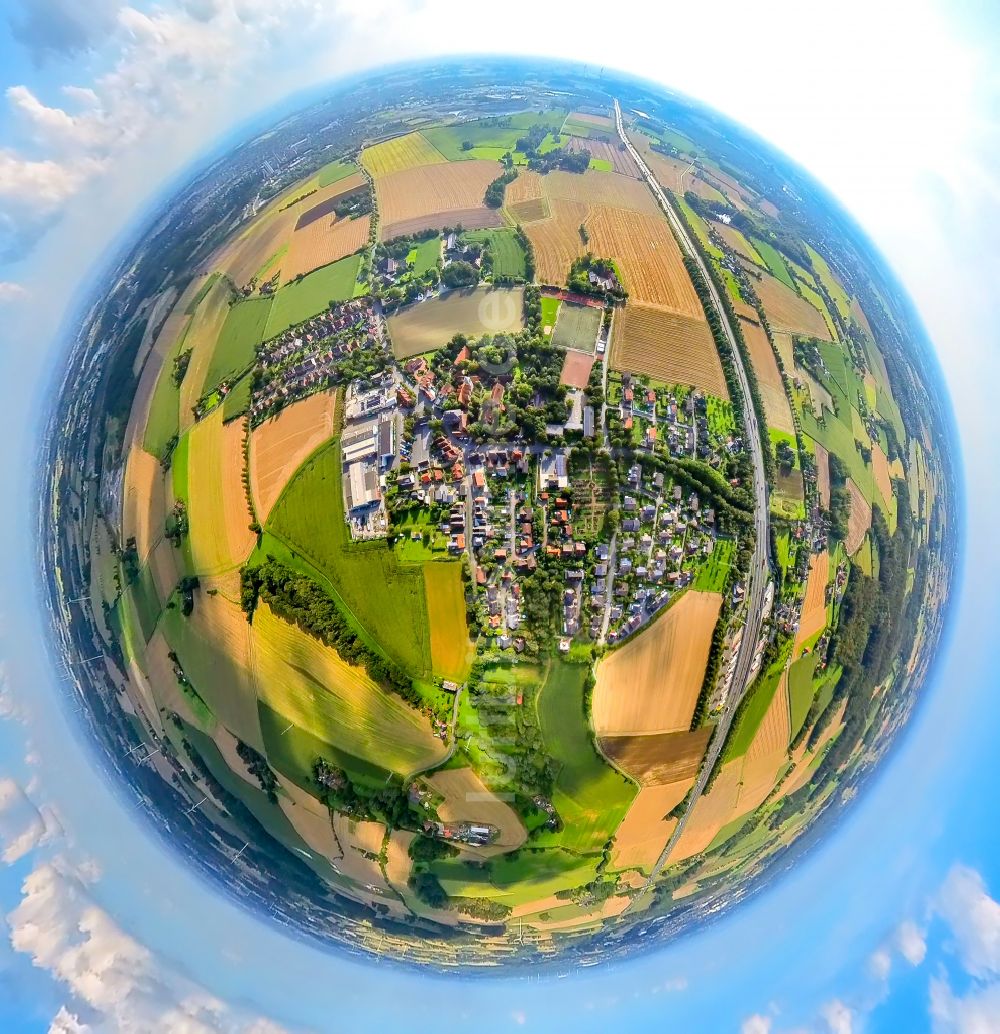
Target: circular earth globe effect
497	513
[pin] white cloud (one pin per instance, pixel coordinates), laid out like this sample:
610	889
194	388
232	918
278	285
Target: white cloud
974	919
911	942
838	1016
22	827
116	984
756	1024
880	965
9	292
977	1012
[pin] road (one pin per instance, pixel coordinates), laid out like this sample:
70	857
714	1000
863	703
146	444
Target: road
759	572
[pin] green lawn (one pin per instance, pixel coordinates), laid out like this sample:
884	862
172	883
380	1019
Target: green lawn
775	263
302	299
720	416
697	224
334	172
236	348
425	255
237	401
505	248
601	165
712	574
550	310
800	691
590	796
385	597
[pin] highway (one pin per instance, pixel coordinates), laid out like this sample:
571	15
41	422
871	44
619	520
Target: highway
759	573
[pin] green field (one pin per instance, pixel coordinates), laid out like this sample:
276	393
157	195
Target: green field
720	416
489	138
590	796
601	165
385	597
202	292
712	574
237	401
697	224
236	348
164	412
334	172
577	327
425	256
750	716
550	310
505	249
800	691
302	299
775	263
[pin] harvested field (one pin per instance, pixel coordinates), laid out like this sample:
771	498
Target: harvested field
358	841
397	858
768	752
671	173
813	617
621	161
166	567
786	311
557	240
280	445
529	211
645	830
220	537
739	243
772	387
823	475
202	334
651	684
607	189
399	154
243	257
309	818
769	208
333	196
659	758
436	196
667	347
144	507
599	121
451	649
783	346
323	242
859	314
529	186
860	519
880	468
576	369
648	257
710	813
577	327
466	799
474	311
312	687
804	766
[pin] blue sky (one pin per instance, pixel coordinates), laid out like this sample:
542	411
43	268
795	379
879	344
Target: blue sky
892	923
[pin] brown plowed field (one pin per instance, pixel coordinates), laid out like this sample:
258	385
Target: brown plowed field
668	347
440	195
710	813
322	242
772	387
860	520
813	617
312	211
651	684
357	840
280	445
644	831
621	161
576	369
768	751
786	311
823	475
600	121
466	799
659	757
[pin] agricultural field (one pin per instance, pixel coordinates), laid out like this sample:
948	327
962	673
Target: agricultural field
505	250
425	256
244	329
322	242
335	172
296	302
777	411
657	758
451	650
402	152
668	347
787	311
611	156
645	829
577	327
813	619
651	683
435	197
432	323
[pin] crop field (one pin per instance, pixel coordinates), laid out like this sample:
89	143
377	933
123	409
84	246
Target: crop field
590	796
556	240
451	650
710	813
242	258
860	519
657	758
475	311
786	311
213	647
880	470
143	506
335	172
823	475
768	751
645	830
311	686
606	189
300	301
323	242
800	692
577	327
467	799
617	160
774	262
163	415
432	197
671	173
236	348
322	209
813	619
402	152
668	347
648	257
505	248
576	368
651	684
385	598
772	388
280	445
487	136
202	334
529	186
529	211
220	538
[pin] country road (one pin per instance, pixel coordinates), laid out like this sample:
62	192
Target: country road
759	573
